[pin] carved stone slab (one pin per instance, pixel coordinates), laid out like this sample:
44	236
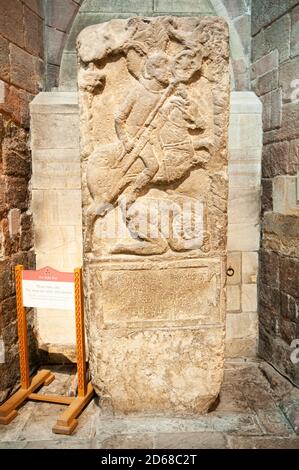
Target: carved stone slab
154	96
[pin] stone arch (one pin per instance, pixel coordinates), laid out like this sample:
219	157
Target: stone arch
96	11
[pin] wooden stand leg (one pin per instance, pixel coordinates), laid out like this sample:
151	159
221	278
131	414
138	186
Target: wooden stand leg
67	421
8	411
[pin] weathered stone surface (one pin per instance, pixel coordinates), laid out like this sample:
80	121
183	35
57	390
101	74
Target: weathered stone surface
295	32
33	33
4	59
155	149
288	74
267	195
272	110
275	159
264	12
265	64
276	36
281	234
266	83
11	21
25	72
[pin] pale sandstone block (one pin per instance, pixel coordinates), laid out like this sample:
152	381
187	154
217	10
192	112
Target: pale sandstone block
239	347
249	297
243	206
56	326
55	131
56	169
241	326
233	294
156	300
249	267
234	261
245	131
243	237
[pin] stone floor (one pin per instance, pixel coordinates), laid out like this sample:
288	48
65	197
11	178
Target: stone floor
249	415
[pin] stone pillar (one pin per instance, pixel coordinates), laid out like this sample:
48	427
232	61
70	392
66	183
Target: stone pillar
154	100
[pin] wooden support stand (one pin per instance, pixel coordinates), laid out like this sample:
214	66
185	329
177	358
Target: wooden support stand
68	421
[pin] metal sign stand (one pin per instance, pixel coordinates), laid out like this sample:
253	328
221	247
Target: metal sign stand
67	421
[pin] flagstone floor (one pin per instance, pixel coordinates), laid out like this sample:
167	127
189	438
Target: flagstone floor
247	417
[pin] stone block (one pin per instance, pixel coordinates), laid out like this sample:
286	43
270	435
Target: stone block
112	6
243	206
54	40
266	199
243	237
288	330
276	36
6	280
34	33
57	207
24	70
14	222
264	12
275	159
264	442
241	326
234	261
269	297
17	192
173	6
266	83
289	307
58	131
171	324
4	59
288	275
129	441
68	72
60	14
288	74
295	32
36	6
245	103
243	26
269	268
272	109
56	169
245	131
233	298
11	21
249	267
249	297
187	440
244	175
268	318
52	77
293	164
240	347
265	64
285	195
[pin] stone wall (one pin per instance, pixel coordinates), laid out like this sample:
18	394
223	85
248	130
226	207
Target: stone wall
65	19
21	71
275	78
58	238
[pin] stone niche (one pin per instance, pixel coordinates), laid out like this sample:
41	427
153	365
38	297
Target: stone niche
154	104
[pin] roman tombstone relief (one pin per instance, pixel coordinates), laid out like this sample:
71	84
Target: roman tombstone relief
154	100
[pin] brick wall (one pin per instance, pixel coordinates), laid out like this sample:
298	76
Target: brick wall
21	71
275	69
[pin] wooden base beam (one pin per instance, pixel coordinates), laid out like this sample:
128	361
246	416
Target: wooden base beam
67	421
8	411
